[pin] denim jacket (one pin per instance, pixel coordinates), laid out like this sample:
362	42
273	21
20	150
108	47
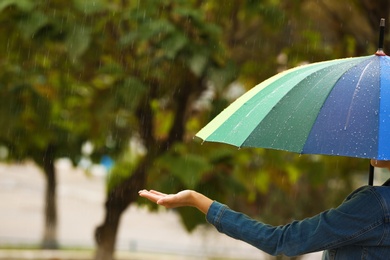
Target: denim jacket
358	229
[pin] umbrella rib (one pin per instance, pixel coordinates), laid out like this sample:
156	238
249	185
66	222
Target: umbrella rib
357	88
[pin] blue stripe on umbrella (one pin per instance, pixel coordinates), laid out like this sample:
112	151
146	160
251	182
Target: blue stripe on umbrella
341	126
384	115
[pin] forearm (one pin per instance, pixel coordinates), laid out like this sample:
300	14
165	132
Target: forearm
200	201
273	240
334	228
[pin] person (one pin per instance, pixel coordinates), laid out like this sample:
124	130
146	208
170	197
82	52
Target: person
357	229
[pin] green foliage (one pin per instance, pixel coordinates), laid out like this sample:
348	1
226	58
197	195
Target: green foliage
108	71
24	5
190	217
78	41
119	173
58	85
188	169
90	7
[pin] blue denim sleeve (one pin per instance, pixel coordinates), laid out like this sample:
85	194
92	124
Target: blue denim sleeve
357	221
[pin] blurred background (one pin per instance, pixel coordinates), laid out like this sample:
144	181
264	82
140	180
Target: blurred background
99	99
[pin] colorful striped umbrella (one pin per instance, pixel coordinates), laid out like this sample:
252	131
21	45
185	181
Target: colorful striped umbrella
337	107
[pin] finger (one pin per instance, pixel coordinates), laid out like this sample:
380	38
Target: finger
150	196
158	193
143	193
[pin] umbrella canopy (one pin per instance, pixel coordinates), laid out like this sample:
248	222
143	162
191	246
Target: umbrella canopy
337	107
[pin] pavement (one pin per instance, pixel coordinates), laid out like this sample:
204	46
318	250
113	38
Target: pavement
80	198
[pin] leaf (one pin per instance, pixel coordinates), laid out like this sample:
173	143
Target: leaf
262	181
198	64
111	68
147	31
78	41
191	217
293	173
23	5
223	76
221	155
130	92
189	168
173	44
30	26
189	13
89	6
128	39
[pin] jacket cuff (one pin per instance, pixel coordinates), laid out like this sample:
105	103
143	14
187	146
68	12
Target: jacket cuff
215	212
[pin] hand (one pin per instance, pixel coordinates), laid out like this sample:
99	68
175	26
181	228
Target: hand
380	164
180	199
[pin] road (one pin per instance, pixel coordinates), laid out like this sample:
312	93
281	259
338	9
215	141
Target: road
80	209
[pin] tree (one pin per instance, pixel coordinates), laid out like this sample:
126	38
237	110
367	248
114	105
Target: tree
65	84
175	52
32	94
51	98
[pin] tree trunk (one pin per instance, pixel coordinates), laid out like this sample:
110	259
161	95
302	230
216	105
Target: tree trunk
50	228
105	235
117	202
127	192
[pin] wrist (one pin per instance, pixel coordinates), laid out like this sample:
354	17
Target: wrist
200	201
193	199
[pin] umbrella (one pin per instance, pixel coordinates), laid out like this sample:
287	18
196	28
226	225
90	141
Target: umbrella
337	107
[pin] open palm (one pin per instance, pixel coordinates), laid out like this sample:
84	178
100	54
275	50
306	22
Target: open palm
180	199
